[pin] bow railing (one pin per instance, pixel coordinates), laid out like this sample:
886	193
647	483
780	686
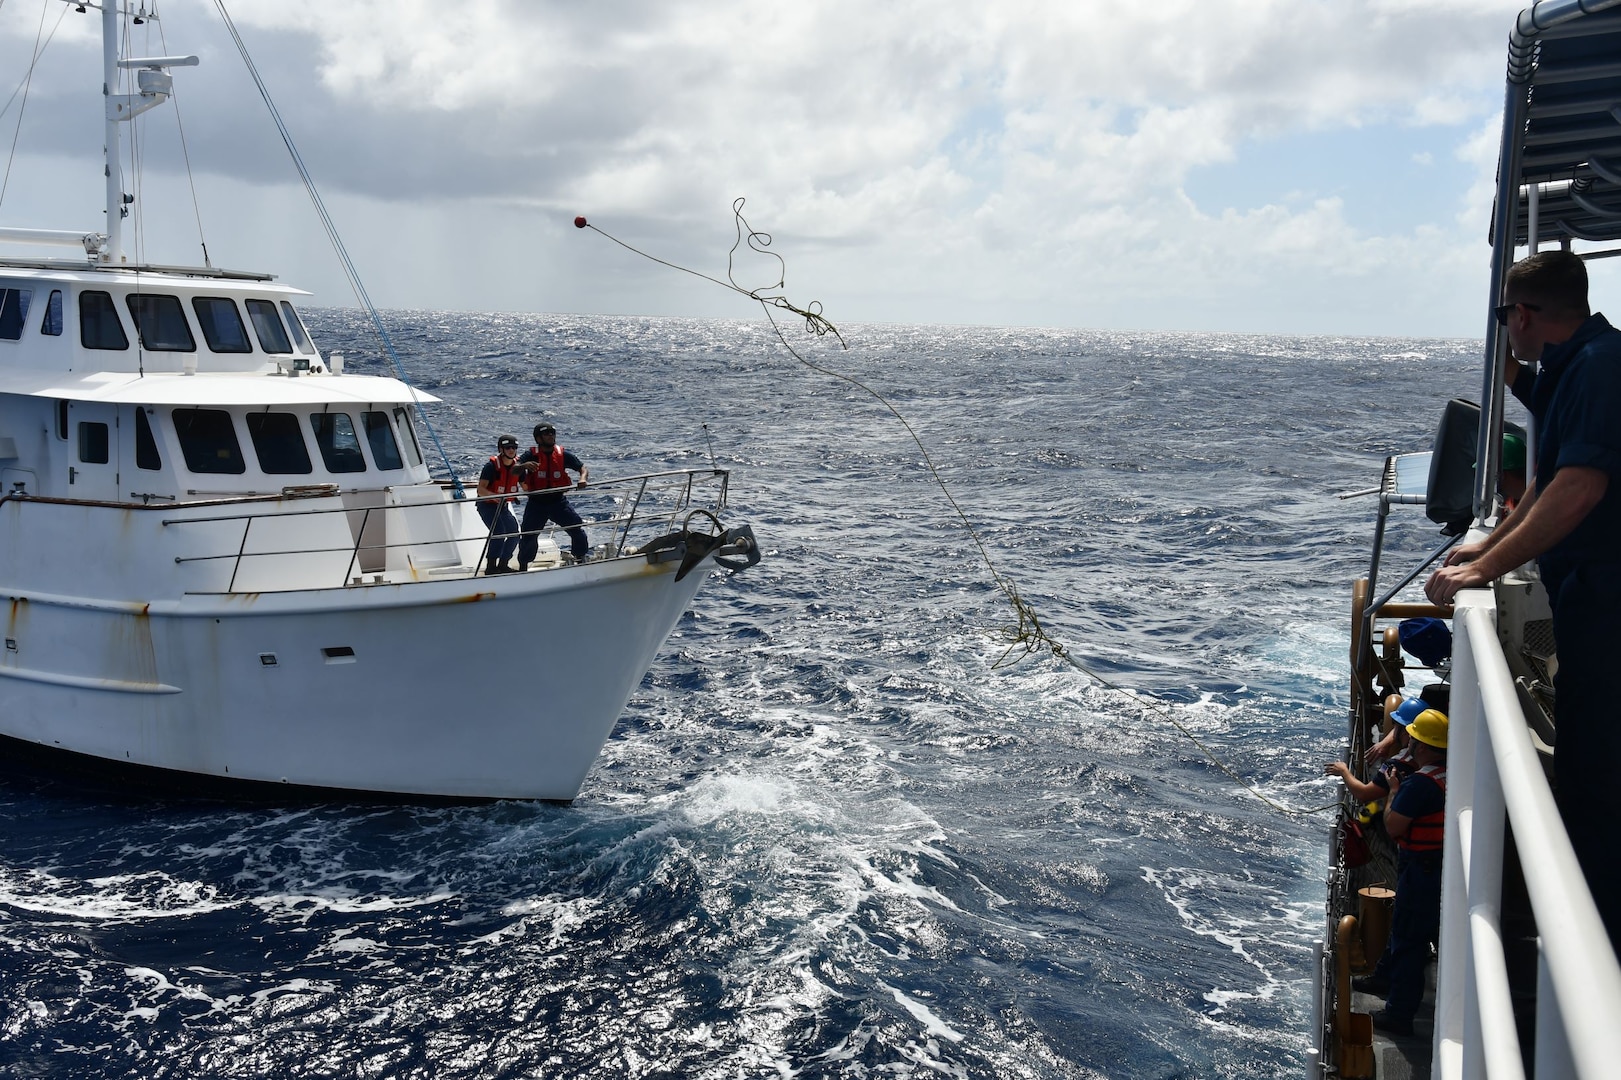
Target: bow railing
416	533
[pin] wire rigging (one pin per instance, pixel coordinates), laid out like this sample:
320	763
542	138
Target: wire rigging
23	88
185	152
137	147
1027	635
342	252
137	157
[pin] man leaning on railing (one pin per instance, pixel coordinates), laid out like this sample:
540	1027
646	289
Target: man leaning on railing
1570	522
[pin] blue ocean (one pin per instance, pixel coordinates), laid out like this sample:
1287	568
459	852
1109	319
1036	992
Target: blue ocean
849	825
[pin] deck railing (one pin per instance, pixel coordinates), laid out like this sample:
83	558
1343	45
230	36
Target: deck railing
1493	775
391	540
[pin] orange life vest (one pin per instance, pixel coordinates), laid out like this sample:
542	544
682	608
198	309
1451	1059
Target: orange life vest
1428	831
506	479
551	473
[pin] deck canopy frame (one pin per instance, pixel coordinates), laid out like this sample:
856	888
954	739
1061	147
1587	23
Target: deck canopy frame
1558	168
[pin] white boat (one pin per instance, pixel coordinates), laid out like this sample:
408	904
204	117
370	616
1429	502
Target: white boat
1526	981
226	562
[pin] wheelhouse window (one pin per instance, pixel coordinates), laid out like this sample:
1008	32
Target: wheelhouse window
380	436
93	443
267	325
340	446
161	322
402	417
51	325
279	443
208	441
146	444
221	323
13	310
99	327
295	325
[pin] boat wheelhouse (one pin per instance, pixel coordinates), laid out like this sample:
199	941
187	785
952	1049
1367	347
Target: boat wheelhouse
226	560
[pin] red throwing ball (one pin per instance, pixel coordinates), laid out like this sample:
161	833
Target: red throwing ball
579	222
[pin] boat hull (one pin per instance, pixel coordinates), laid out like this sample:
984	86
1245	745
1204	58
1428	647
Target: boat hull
503	687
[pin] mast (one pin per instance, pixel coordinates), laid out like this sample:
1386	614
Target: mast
153	85
114	251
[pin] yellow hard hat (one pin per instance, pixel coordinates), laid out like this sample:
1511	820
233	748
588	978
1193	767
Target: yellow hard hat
1430	727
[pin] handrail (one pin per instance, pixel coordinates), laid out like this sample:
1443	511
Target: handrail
671	492
724	476
1493	769
547	530
624	534
596	485
674	495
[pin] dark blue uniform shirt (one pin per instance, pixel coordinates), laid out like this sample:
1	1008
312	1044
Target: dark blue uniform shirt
1576	400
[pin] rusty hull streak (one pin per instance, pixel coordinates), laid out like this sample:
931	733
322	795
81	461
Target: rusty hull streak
473	599
15	618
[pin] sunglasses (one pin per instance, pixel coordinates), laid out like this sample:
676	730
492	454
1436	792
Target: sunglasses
1503	311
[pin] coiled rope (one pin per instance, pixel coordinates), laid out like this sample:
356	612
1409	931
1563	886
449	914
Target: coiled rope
1027	635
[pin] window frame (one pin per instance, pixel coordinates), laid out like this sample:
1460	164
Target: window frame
14	319
387	431
208	324
302	342
189	448
94	435
402	421
110	309
166	307
146	443
327	444
254	306
53	315
290	426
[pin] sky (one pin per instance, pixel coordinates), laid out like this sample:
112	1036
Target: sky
1263	166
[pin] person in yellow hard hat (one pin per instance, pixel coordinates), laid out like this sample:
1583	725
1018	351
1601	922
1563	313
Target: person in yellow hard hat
1415	818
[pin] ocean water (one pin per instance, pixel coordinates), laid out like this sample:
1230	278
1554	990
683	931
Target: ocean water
832	836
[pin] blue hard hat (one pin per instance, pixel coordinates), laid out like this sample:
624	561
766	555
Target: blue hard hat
1408	710
1430	640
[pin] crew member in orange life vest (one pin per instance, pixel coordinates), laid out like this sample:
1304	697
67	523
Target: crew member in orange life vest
1415	818
501	476
546	478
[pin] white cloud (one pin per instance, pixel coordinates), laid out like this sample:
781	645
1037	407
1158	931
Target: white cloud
946	160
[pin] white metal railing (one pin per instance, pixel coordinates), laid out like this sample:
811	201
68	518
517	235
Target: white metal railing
281	549
1492	768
